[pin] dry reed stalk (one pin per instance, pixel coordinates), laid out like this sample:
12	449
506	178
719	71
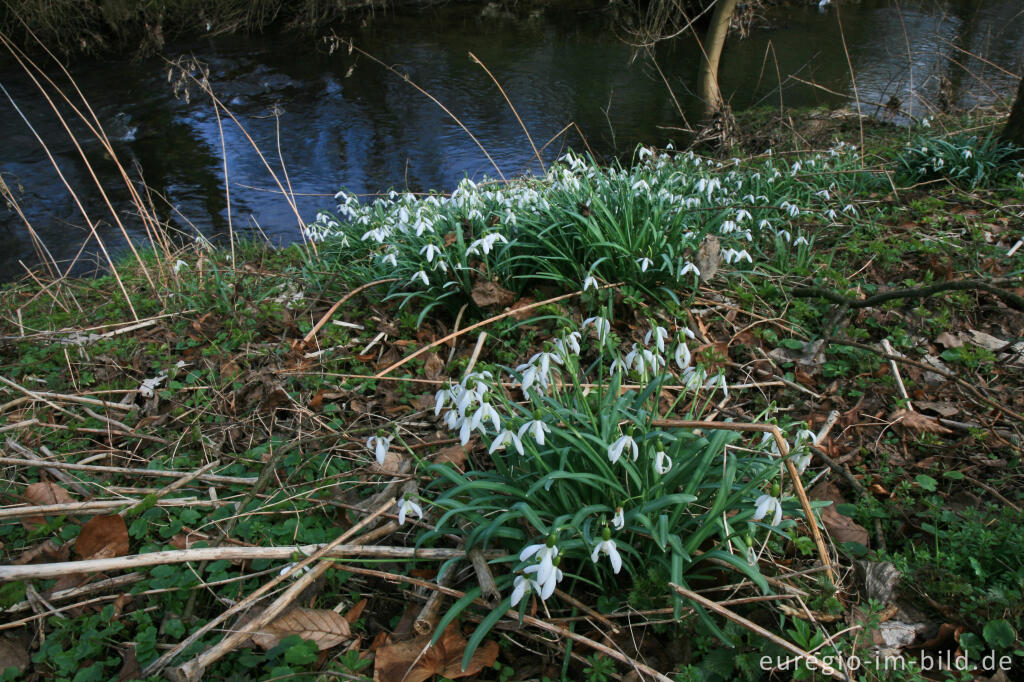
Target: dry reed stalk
214	654
814	661
158	473
74	197
100	505
794	475
181	556
556	630
25	62
405	77
515	113
489	320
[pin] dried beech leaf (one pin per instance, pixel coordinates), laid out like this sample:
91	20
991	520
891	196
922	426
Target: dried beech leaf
454	454
352	615
433	366
40	494
709	255
13	654
486	293
843	528
325	627
918	422
415	660
103	537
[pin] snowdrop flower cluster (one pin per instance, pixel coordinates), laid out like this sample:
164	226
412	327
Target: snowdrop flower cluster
470	410
428	243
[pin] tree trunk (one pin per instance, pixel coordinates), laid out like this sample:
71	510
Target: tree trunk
713	43
1014	130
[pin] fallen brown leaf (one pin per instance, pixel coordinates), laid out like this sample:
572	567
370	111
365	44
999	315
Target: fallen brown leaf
415	660
486	293
103	537
325	627
42	494
433	366
13	654
352	615
918	422
454	454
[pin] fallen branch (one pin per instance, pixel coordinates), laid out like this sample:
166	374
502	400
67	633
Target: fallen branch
813	661
1011	299
55	570
159	473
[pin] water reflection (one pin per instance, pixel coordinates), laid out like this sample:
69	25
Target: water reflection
369	131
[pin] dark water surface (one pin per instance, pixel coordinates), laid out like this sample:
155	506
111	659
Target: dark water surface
369	130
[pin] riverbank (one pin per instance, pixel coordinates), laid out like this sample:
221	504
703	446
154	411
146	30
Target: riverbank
115	27
253	400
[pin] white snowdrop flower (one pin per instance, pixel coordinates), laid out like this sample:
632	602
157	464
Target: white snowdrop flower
785	235
619	519
645	153
545	555
728	255
823	193
607	546
659	334
662	462
926	121
795	168
682	355
743	214
529	377
688	268
390	259
431	251
503	440
589	282
967	154
484	412
765	504
439	399
849	208
617	366
569	345
652	359
764	224
465	430
537	429
743	255
288	567
178	265
546	587
616	448
719	383
601	326
831	213
727	227
380	446
407	506
801	461
422	276
644	263
641	184
801	240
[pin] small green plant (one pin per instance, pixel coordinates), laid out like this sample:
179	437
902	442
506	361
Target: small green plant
966	160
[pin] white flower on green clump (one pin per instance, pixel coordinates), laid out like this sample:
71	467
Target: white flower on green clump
569	344
589	282
503	440
682	355
483	412
380	445
601	326
536	427
553	576
390	259
662	462
619	519
407	506
688	268
607	546
623	442
765	504
644	263
545	555
431	251
659	334
422	276
522	586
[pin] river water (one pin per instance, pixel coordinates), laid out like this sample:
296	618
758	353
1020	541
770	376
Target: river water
324	120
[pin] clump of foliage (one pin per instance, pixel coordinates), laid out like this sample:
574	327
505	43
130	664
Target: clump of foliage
963	159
